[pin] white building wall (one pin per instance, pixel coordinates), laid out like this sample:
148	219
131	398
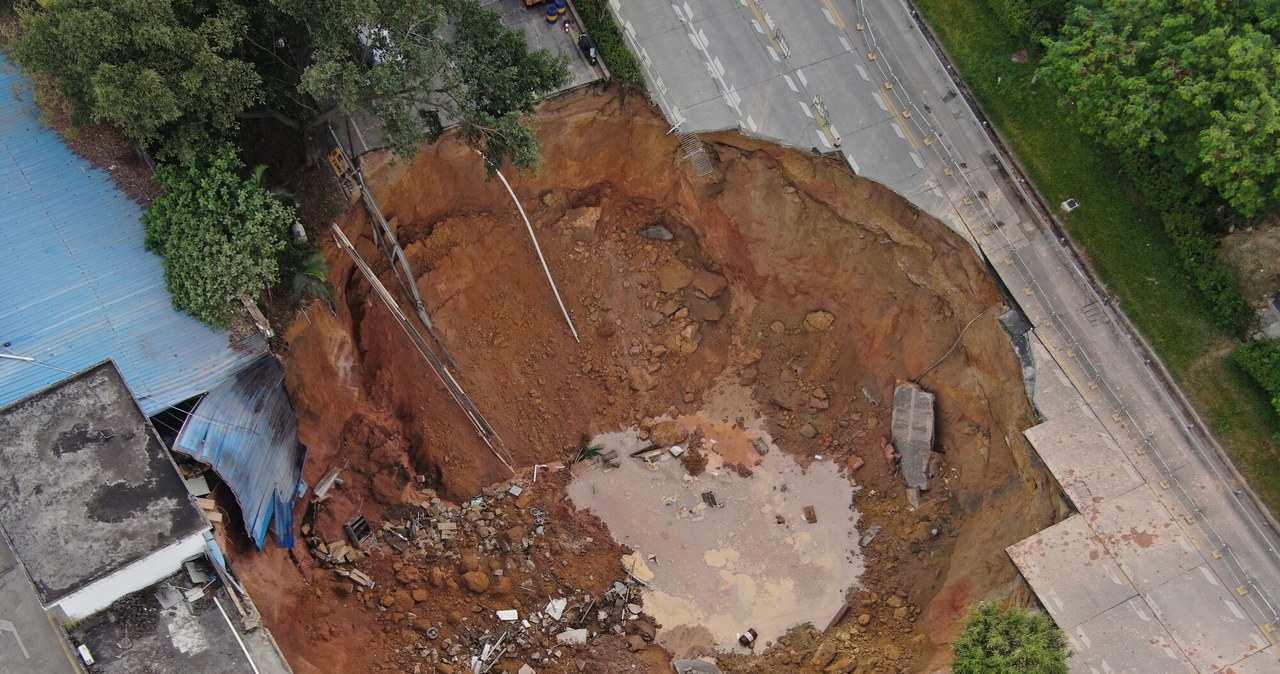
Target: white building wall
100	593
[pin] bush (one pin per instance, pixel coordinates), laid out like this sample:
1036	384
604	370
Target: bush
221	235
1199	257
604	31
1261	359
1013	641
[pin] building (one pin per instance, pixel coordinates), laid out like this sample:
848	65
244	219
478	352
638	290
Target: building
97	523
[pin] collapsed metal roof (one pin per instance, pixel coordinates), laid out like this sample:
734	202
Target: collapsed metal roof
246	429
79	287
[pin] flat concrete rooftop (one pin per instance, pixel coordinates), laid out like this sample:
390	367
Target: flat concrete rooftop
88	486
142	633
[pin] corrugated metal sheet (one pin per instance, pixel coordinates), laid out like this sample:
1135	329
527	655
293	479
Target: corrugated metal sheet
246	430
78	286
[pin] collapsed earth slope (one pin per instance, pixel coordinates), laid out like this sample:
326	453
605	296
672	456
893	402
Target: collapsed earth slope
816	289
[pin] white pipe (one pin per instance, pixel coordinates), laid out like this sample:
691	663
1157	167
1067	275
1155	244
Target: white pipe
25	359
236	633
537	249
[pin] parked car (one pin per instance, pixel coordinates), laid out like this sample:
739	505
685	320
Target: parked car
588	48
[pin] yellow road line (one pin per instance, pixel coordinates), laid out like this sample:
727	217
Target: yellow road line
764	25
834	14
902	121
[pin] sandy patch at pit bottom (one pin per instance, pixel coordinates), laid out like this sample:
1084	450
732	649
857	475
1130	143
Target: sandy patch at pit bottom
729	568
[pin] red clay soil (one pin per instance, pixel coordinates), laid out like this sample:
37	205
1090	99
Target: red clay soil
791	233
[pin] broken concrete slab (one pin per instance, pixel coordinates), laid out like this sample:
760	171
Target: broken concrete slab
913	432
575	637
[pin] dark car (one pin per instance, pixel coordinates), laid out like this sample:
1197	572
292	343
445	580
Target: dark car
588	48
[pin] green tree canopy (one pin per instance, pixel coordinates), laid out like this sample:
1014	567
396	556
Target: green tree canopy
175	75
417	65
220	234
161	70
1194	84
1013	641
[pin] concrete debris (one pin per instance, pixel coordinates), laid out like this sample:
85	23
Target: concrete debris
508	615
555	608
576	637
868	536
695	667
657	233
761	447
526	669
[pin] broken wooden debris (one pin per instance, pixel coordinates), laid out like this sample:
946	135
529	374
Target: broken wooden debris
810	515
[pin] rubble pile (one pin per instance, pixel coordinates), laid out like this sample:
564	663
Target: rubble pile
482	587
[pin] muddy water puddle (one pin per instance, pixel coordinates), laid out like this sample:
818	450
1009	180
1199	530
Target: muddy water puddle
718	570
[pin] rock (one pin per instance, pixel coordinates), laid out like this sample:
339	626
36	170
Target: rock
444	668
657	233
900	613
705	310
667	433
420	595
892	652
708	284
685	341
606	329
455	618
808	431
584	218
864	619
576	637
748	376
470	561
641	380
817	404
819	393
387	600
893	601
514	535
819	321
503	585
844	665
777	327
526	669
422	625
824	655
476	581
408	575
855	462
437	577
673	277
636	643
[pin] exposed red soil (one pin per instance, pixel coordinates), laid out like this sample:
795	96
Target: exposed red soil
791	233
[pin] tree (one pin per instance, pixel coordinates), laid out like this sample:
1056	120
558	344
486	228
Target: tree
161	70
220	234
1196	85
1013	641
417	65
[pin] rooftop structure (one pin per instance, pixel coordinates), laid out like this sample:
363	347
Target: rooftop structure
80	288
89	490
246	430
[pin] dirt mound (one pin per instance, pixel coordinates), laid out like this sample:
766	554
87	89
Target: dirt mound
815	288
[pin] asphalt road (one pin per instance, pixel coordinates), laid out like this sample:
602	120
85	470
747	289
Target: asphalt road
800	73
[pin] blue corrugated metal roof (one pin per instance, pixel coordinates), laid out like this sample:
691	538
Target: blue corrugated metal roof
246	430
78	286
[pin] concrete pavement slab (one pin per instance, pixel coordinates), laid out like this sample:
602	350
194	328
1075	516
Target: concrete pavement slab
1149	545
1205	620
1071	571
1127	638
1083	457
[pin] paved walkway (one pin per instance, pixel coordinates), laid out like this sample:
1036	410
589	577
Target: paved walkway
860	78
